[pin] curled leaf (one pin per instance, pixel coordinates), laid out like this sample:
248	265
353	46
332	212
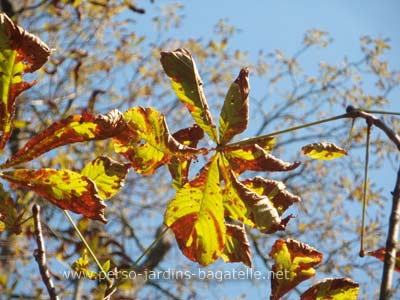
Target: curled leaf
181	69
332	289
234	115
323	151
237	247
196	216
147	143
108	175
76	128
64	188
294	262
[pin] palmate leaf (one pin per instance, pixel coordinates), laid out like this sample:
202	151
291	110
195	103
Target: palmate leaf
9	217
178	167
294	261
254	157
332	289
108	175
196	216
237	247
235	111
380	254
20	52
64	188
323	151
181	69
76	128
147	143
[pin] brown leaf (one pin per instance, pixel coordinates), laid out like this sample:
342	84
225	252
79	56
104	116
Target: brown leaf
237	247
332	289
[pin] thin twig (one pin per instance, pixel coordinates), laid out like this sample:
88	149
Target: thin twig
40	254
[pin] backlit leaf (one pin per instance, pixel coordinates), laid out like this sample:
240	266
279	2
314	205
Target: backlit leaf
81	266
64	188
237	247
108	175
332	289
147	143
294	262
9	217
178	167
323	151
20	52
255	158
196	216
181	69
380	254
235	111
76	128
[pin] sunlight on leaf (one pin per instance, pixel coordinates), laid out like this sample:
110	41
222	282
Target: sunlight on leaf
196	216
64	188
9	217
181	69
81	266
237	247
76	128
323	151
108	175
332	289
294	261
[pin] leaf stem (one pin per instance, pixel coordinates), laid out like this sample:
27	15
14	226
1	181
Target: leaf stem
380	112
82	238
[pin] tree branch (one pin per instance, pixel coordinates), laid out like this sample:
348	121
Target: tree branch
40	254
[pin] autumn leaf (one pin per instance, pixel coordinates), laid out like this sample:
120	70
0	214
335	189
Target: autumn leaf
237	247
64	188
294	261
9	217
108	175
147	143
332	289
76	128
380	254
196	216
254	157
234	115
178	167
81	266
323	151
181	69
20	52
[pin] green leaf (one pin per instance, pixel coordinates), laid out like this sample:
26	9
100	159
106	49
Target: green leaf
76	128
181	69
332	289
81	266
9	217
237	247
20	52
196	216
178	167
235	111
294	262
147	143
64	188
323	151
106	266
108	175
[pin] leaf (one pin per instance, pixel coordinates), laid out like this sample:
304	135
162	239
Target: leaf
332	289
323	151
179	168
234	115
196	216
108	175
20	52
9	217
253	157
237	247
181	69
294	262
76	128
274	190
147	143
64	188
81	266
380	254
